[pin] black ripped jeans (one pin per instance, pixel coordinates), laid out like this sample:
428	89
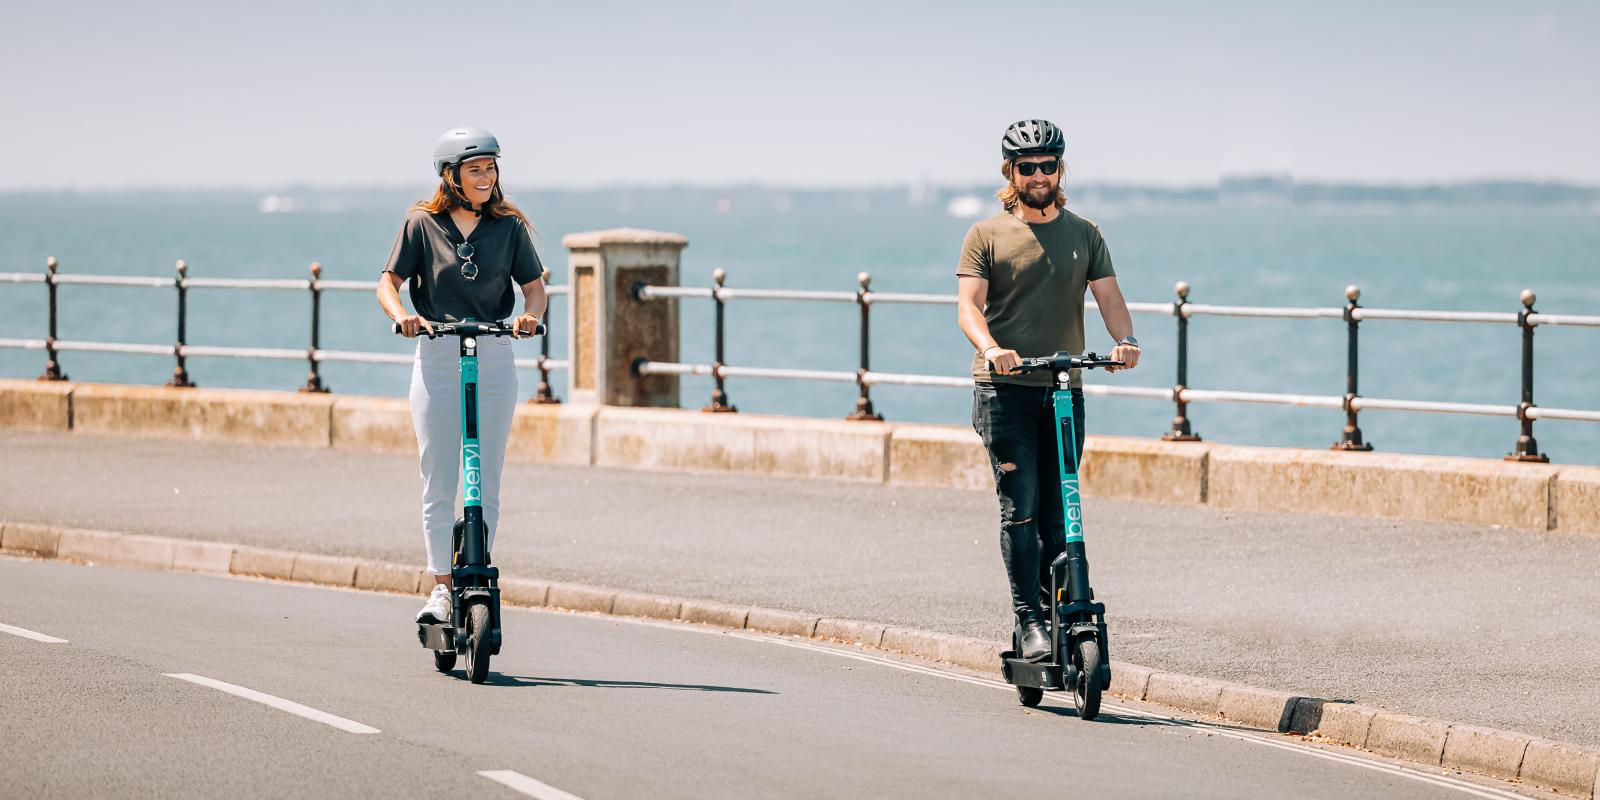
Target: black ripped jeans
1017	424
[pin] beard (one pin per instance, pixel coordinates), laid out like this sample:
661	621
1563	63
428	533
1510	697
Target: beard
1039	198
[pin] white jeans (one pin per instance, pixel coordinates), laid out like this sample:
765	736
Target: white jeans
436	415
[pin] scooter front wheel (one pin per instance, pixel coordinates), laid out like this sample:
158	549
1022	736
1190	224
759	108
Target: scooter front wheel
479	642
1086	692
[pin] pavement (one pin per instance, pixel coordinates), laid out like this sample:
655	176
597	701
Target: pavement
143	698
1471	624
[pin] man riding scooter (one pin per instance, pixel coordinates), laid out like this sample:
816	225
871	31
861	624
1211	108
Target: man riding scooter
1022	277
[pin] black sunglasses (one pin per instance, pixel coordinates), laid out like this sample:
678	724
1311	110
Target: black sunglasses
469	270
1027	168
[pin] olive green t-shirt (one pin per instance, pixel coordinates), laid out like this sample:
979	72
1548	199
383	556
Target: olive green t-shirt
1037	276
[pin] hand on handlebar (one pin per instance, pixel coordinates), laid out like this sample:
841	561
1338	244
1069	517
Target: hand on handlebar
1127	354
525	326
1003	361
410	326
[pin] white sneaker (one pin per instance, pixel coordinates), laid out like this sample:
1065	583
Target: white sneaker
437	609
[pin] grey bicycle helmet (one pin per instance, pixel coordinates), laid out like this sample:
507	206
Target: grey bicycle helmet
455	147
459	144
1032	137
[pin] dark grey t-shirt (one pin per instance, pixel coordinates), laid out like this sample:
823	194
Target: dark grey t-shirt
425	256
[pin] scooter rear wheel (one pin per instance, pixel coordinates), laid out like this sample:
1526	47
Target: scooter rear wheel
1086	692
479	642
1030	696
444	660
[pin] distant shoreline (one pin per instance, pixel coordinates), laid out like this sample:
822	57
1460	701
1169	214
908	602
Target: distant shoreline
1259	190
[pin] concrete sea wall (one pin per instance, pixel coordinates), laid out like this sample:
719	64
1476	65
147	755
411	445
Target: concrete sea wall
1487	492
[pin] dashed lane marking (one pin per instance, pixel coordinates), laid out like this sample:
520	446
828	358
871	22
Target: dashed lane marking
297	709
529	786
36	636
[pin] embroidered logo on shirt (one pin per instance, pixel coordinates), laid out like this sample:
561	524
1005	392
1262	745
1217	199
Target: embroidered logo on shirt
1074	255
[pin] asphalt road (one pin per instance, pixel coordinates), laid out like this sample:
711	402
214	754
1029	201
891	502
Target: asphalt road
1470	624
591	706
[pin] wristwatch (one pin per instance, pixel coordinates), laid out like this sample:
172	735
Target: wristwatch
1129	341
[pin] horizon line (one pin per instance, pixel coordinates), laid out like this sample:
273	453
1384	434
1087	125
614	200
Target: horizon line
1216	183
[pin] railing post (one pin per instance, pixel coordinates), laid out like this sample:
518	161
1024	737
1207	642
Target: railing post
1527	448
52	364
180	375
1181	432
719	394
542	396
1352	432
314	377
864	402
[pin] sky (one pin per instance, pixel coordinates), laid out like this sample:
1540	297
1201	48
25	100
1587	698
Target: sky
102	95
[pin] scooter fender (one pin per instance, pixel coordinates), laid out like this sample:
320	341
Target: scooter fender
1092	631
488	598
1068	657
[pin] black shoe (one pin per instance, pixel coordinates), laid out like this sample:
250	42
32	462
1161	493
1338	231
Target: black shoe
1035	642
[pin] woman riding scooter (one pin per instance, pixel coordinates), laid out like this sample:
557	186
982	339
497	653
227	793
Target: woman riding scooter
463	254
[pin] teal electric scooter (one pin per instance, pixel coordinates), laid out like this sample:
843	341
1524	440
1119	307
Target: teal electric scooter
474	627
1078	658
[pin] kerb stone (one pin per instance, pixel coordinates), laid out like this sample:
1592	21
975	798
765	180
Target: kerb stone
1485	751
1404	736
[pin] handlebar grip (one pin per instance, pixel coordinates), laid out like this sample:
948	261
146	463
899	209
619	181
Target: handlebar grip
395	328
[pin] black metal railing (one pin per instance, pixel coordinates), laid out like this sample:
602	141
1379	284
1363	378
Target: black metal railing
181	350
1352	403
1182	394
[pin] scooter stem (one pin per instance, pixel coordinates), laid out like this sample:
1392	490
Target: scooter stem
1077	564
473	541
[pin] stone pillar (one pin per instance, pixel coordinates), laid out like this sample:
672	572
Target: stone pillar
608	329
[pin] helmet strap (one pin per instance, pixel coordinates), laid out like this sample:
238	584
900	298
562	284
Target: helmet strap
458	192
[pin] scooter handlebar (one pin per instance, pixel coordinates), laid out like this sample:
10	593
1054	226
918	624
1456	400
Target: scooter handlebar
470	329
1065	361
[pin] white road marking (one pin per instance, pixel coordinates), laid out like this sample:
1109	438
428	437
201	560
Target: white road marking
34	635
349	726
526	785
542	791
1254	738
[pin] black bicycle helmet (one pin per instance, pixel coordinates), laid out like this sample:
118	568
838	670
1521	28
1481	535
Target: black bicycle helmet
1032	137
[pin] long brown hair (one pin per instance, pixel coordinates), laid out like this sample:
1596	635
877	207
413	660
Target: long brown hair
444	200
1010	197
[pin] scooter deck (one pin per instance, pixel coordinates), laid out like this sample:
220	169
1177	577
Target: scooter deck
1037	674
438	636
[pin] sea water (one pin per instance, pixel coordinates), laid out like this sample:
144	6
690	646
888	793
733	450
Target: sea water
1476	256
